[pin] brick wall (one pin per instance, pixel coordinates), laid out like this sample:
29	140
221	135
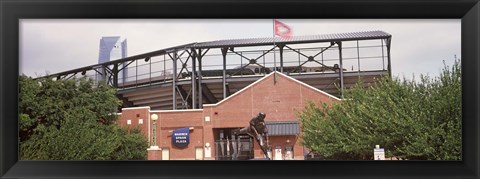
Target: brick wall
279	101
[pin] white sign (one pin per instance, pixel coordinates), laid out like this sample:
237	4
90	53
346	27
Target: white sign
208	152
278	154
379	154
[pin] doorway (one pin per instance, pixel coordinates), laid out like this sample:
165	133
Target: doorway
231	147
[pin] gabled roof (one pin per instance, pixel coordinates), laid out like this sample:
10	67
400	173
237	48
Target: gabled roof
266	77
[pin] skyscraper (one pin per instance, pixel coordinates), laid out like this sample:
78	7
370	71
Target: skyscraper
113	48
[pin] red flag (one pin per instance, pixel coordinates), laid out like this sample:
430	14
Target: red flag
282	30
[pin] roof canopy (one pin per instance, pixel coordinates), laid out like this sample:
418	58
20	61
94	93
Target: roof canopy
282	128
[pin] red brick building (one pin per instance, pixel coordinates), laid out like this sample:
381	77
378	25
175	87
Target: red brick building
209	129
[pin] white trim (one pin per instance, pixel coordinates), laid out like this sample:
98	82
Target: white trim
238	92
311	87
141	107
119	114
154	148
177	110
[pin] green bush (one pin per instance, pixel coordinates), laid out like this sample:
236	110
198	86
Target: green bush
411	120
73	120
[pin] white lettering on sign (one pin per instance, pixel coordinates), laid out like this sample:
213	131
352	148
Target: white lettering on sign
180	134
181	141
180	137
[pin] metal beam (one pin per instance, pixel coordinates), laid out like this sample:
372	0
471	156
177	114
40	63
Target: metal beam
389	40
185	97
341	67
224	54
208	94
174	80
200	77
115	75
227	87
194	96
280	46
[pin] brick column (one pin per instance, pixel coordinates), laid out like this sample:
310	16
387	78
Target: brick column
154	153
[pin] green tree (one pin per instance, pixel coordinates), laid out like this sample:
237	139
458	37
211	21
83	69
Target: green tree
411	120
73	120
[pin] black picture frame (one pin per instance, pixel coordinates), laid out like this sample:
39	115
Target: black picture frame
466	10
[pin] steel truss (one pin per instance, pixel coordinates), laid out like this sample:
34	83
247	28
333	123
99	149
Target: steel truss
193	54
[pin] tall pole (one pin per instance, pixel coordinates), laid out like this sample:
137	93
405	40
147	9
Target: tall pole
200	93
274	56
389	43
194	97
341	67
224	54
174	80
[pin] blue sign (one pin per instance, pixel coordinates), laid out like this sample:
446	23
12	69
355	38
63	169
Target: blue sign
181	137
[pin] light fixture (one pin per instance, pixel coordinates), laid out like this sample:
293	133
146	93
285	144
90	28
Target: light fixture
147	59
154	117
288	140
207	144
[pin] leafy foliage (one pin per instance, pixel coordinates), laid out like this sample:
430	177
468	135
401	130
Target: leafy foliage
411	120
73	120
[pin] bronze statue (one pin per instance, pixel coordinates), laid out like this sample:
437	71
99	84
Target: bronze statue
258	130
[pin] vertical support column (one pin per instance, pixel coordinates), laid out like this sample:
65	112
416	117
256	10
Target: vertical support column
341	67
383	55
150	71
200	93
389	65
280	46
358	55
194	97
164	68
136	73
224	54
174	80
104	73
115	75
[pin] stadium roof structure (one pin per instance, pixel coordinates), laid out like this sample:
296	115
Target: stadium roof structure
349	36
293	40
192	86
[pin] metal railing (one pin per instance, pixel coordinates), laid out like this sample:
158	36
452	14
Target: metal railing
227	149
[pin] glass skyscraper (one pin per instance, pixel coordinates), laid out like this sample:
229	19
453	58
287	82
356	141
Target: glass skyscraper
113	48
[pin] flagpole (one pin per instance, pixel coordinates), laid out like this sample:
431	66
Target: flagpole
274	55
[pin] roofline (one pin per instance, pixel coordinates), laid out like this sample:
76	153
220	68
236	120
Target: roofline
238	92
265	77
311	87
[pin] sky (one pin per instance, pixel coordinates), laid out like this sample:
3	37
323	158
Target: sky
419	46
